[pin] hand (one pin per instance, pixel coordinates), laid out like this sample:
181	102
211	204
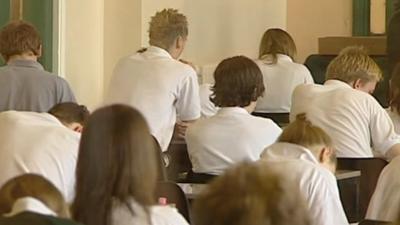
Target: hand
180	128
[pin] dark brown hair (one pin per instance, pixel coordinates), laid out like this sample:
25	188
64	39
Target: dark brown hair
253	194
238	82
19	37
70	112
394	91
116	164
35	186
276	41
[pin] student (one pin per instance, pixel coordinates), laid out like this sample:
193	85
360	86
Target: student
344	108
394	98
280	73
208	108
31	199
233	134
161	87
304	155
117	172
250	194
42	143
385	202
24	84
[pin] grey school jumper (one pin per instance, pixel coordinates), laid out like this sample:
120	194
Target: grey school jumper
26	86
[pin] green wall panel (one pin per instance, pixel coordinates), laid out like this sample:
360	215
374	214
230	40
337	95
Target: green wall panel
4	17
361	17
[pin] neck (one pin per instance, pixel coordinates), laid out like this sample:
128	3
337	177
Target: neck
24	56
250	108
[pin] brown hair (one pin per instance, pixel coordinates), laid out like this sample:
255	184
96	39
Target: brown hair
303	132
19	37
276	41
116	163
238	82
166	26
70	112
253	194
394	91
351	60
35	186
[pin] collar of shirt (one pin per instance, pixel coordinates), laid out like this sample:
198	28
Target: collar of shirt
26	63
153	50
336	83
232	110
280	57
30	204
284	151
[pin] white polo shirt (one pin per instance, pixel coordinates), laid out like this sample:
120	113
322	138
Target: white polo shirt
385	202
353	119
394	115
38	143
207	106
160	87
280	80
229	137
316	183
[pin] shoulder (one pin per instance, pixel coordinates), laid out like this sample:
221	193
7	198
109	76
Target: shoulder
166	215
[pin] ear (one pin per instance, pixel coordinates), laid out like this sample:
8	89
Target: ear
357	84
180	42
325	155
78	128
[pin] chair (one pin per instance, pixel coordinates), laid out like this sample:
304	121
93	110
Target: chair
198	178
370	170
179	160
281	119
175	195
374	222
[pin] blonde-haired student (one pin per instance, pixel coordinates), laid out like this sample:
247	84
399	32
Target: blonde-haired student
281	74
344	108
304	154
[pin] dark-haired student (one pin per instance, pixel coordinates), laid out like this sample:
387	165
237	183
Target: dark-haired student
250	193
24	84
304	154
394	98
31	199
116	172
233	134
42	143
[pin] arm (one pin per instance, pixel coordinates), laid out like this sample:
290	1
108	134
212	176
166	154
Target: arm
393	152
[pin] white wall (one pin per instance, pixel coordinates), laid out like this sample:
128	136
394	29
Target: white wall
84	49
221	28
307	20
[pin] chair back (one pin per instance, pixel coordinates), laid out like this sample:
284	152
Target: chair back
174	195
370	170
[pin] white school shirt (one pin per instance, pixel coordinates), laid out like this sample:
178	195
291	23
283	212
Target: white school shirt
38	143
394	115
160	87
135	214
280	80
385	202
208	108
317	184
229	137
30	204
353	119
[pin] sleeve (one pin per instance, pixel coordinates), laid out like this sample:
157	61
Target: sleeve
308	79
382	131
188	101
64	92
324	200
166	215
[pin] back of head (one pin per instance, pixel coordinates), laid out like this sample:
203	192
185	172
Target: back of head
302	132
351	60
70	112
116	163
276	41
35	186
250	194
166	26
19	37
394	93
238	82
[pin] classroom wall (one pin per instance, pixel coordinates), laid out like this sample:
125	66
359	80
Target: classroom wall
307	20
84	49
